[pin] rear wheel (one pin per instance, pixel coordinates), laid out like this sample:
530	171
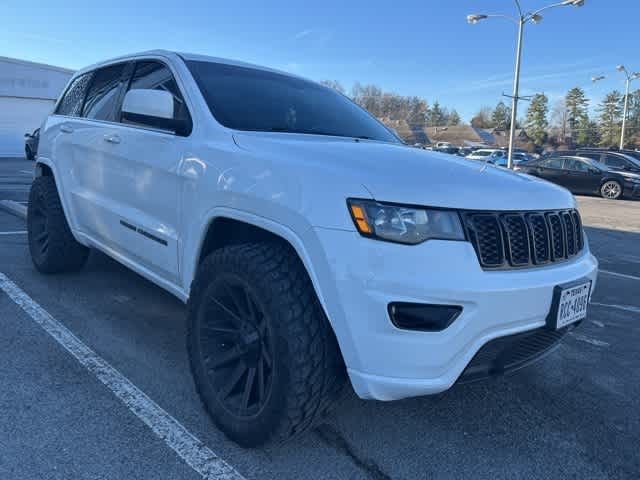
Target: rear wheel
611	190
51	244
263	356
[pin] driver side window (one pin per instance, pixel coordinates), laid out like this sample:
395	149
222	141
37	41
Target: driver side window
553	163
576	165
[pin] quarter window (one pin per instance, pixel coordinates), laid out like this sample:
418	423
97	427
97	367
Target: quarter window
71	103
102	97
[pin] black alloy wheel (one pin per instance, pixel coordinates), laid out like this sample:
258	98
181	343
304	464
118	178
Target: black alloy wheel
237	347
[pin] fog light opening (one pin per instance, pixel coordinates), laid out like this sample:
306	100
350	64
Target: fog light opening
423	317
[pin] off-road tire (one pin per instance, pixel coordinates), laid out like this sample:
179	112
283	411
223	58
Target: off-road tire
308	370
51	243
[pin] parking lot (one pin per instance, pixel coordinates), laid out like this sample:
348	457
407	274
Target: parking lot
575	414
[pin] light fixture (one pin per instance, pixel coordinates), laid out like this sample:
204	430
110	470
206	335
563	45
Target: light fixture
536	18
475	18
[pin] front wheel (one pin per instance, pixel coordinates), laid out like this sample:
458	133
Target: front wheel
611	190
263	355
51	243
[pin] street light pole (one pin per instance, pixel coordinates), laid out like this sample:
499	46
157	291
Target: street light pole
630	77
626	110
516	94
520	21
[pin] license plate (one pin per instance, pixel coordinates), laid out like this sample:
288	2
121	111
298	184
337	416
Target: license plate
572	304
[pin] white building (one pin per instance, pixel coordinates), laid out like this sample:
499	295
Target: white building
28	92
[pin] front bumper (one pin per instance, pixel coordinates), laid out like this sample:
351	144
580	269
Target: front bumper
632	189
387	363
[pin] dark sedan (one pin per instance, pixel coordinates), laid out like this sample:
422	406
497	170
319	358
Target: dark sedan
584	175
31	144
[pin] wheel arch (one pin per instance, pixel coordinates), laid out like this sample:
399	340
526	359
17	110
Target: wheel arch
306	246
227	226
44	167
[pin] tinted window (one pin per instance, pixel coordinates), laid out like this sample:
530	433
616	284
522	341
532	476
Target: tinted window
576	165
103	94
71	103
251	99
553	162
594	156
613	161
157	76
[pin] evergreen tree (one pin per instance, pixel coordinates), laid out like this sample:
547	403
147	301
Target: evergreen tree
436	115
577	106
536	122
610	111
454	118
501	117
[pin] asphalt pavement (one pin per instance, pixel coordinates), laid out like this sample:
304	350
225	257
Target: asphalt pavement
575	414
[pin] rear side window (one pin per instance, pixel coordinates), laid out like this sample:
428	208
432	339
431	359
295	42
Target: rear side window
616	162
157	76
593	156
71	103
103	94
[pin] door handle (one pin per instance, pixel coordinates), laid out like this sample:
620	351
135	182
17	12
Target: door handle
66	129
112	139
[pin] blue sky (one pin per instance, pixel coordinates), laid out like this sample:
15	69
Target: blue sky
423	48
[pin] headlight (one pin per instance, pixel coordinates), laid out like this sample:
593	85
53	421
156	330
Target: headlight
397	223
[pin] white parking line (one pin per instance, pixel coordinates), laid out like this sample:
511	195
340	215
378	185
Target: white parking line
197	455
621	275
21	232
626	308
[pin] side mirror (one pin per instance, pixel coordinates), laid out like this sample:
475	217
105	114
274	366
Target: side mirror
152	108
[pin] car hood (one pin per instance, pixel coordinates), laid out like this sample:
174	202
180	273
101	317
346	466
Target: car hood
398	173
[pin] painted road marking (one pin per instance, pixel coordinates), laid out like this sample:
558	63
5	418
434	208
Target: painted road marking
21	232
621	275
197	455
626	308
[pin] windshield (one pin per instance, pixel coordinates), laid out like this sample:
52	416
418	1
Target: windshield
256	100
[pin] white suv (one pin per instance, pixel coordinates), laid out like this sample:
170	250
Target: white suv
309	243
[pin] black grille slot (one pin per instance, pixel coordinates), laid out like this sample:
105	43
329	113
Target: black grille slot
517	239
557	236
577	222
488	239
540	238
571	233
522	239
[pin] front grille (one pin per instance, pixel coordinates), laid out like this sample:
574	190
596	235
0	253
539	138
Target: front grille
524	239
506	354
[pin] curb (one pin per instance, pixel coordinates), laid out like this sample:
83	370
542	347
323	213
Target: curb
14	208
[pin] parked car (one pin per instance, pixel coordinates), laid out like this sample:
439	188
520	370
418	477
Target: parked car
487	155
503	161
31	144
451	150
585	175
615	160
309	244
